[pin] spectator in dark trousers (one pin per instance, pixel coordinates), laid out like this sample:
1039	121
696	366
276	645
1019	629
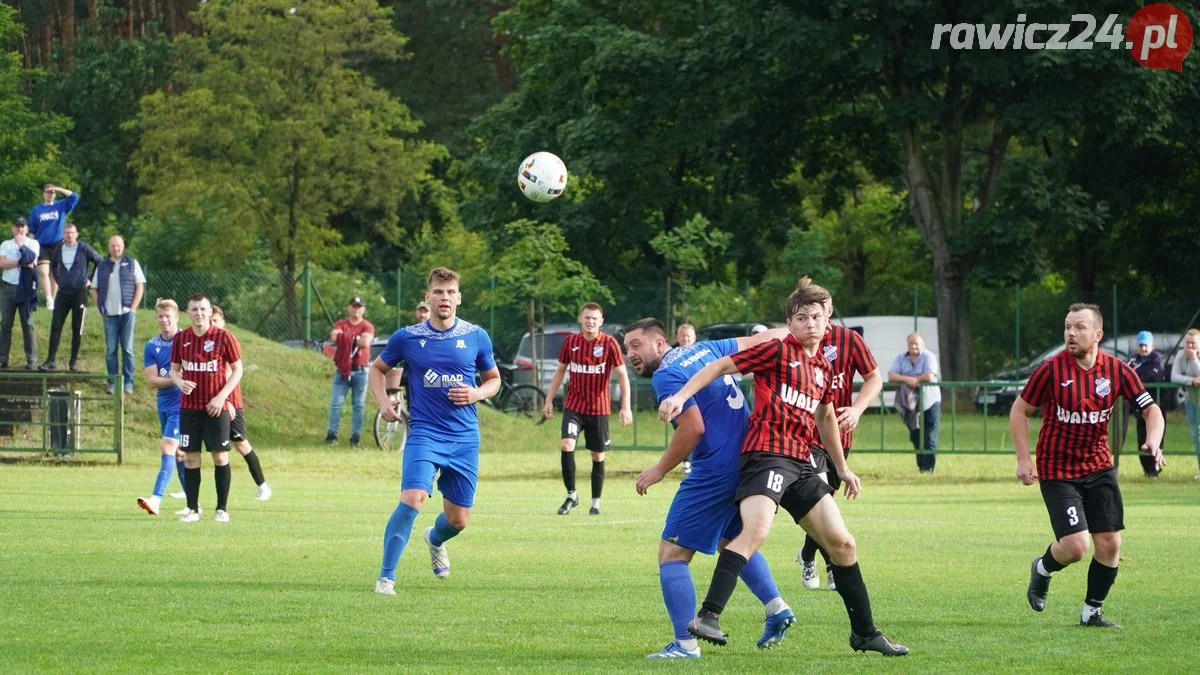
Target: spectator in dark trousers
1149	366
70	269
17	279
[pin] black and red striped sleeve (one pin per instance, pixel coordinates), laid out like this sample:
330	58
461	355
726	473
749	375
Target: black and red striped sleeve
565	350
1132	388
615	360
759	358
1037	390
863	359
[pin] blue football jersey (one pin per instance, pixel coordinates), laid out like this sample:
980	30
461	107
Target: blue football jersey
436	361
158	354
722	404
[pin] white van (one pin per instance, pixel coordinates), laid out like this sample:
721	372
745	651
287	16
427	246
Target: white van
886	337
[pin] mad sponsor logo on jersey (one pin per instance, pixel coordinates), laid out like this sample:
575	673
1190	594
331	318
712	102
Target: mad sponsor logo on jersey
436	380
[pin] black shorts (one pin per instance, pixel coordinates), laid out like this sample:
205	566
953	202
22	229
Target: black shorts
47	250
237	427
593	427
1092	503
790	483
822	464
197	425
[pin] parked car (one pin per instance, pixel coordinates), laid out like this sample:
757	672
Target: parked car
549	342
723	331
1000	399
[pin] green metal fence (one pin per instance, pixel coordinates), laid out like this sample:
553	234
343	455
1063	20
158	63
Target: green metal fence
60	415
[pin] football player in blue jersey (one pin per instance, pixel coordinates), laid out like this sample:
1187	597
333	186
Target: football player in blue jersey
156	362
703	516
443	356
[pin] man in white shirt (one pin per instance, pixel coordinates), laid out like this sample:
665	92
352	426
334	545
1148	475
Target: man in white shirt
117	288
16	253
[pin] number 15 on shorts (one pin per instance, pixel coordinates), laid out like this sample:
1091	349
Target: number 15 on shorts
774	481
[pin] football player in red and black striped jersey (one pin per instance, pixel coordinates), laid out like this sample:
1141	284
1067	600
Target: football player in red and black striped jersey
237	425
199	355
793	407
1077	392
591	357
847	354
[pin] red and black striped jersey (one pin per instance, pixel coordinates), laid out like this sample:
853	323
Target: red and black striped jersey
1076	406
847	354
590	364
202	359
788	387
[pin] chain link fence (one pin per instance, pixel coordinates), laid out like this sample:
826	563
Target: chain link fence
1009	326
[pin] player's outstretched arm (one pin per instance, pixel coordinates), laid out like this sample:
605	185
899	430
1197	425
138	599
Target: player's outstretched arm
1018	426
673	404
747	341
555	382
688	431
1154	433
831	440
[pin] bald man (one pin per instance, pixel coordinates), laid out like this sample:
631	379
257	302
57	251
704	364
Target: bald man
913	367
117	288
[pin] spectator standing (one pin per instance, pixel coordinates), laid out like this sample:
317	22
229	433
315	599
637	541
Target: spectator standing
47	222
352	337
117	288
1148	364
1186	371
911	368
17	280
69	268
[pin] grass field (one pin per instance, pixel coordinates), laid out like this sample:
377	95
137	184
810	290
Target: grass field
92	584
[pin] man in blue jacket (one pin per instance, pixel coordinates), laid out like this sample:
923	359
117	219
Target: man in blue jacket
47	221
117	288
70	267
17	280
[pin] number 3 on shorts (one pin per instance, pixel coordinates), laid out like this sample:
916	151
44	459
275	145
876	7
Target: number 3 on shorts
1072	516
774	481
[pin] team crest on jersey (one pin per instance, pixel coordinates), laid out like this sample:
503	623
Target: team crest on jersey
819	376
597	351
1103	386
209	345
460	344
830	353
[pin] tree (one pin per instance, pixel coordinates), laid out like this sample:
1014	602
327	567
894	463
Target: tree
269	124
688	249
30	140
535	274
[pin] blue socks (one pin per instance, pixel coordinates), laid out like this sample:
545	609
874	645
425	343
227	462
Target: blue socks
164	475
679	594
443	531
395	538
757	577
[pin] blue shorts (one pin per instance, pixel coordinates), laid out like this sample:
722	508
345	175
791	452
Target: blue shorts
703	512
456	463
169	422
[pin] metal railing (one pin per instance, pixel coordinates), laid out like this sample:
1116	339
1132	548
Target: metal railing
28	398
969	419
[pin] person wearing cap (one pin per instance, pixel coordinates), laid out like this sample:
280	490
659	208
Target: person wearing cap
422	312
1149	366
18	256
47	220
352	338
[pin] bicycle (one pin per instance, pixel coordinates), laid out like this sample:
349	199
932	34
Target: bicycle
392	435
525	400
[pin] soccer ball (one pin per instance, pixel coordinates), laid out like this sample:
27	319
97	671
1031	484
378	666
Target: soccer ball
542	176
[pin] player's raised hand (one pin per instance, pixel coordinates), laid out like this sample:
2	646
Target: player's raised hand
852	485
670	408
461	394
548	409
1153	450
1026	472
647	478
848	418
